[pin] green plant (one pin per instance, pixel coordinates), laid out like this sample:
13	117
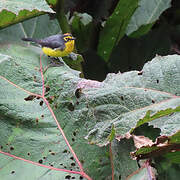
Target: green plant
56	125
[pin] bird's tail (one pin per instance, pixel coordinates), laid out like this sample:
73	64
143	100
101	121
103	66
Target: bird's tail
30	39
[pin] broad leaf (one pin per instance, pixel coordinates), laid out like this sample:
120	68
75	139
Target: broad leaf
12	12
146	14
126	98
28	129
115	27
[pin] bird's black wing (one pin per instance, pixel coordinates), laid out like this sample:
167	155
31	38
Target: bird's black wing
55	41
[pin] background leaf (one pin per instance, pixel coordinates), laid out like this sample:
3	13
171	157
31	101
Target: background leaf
147	13
119	20
12	12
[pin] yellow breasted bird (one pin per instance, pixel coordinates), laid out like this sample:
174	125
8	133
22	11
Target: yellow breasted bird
58	45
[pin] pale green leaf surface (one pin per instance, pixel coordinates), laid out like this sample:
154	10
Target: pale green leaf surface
27	127
12	12
147	13
125	99
39	27
142	174
16	169
123	164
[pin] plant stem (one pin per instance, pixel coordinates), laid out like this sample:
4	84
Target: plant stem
61	17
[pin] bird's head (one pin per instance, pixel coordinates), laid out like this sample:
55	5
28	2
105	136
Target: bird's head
68	37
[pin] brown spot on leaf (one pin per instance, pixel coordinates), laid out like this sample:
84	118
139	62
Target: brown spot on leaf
78	92
40	161
41	103
68	177
29	98
71	107
11	148
73	164
47	89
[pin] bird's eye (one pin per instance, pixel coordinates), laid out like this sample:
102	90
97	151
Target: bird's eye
67	39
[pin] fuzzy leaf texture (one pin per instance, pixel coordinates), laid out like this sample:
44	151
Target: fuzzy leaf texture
15	11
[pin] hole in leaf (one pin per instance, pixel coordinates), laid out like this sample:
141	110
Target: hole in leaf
37	120
140	72
122	98
82	161
78	92
50	151
73	177
53	153
65	167
61	164
34	78
42	115
44	157
80	177
65	151
71	107
157	80
77	102
72	158
37	97
73	164
51	165
1	147
29	98
41	103
28	154
68	177
74	133
11	148
50	99
47	89
55	106
73	139
153	101
40	161
12	172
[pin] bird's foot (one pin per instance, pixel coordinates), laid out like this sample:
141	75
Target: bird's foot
73	56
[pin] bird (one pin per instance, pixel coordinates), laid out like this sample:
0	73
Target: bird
58	45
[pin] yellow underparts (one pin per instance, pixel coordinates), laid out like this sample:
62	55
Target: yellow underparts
57	52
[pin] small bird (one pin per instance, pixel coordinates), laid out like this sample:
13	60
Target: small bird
58	45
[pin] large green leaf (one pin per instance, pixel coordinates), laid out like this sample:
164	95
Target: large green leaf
115	27
12	12
39	27
146	14
123	100
126	98
27	127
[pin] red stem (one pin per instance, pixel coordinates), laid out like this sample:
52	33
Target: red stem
82	173
35	163
59	127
